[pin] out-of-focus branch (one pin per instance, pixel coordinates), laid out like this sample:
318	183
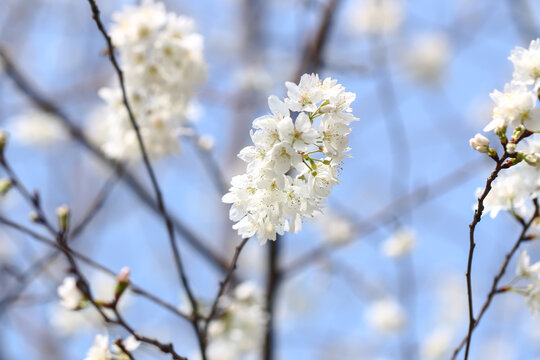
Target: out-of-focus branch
273	278
93	264
128	178
39	265
312	55
393	210
310	60
60	234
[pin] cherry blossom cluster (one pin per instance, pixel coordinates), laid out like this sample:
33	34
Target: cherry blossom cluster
515	112
102	350
162	60
239	331
531	273
294	163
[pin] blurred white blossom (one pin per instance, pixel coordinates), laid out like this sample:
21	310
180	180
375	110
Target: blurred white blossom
239	330
386	316
437	344
377	17
335	229
36	128
427	57
101	350
70	295
399	244
162	59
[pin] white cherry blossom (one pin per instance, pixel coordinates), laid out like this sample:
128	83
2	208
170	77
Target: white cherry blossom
294	162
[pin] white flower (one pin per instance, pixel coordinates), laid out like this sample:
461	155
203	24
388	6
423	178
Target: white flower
70	295
336	229
284	180
527	64
377	17
205	143
100	349
525	269
479	143
428	56
532	299
437	344
386	316
514	106
240	329
510	191
306	95
163	63
37	128
399	244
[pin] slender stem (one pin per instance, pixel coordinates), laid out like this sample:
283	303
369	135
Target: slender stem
272	284
496	280
476	219
153	178
224	283
134	288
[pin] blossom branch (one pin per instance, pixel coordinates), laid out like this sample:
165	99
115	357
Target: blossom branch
224	284
272	284
495	284
93	264
83	286
147	164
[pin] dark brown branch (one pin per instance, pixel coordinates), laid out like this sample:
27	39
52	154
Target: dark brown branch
39	265
272	284
61	243
134	288
476	219
146	160
312	55
224	284
495	284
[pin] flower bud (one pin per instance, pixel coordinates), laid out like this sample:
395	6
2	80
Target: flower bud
123	275
5	185
511	148
3	139
63	212
33	216
518	131
532	159
205	143
122	282
479	143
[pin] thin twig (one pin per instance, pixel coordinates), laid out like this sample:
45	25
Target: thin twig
272	284
155	185
495	284
224	283
476	219
94	264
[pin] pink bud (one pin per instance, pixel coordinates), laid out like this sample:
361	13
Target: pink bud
123	276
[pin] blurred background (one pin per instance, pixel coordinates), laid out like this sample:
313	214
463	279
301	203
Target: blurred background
422	71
